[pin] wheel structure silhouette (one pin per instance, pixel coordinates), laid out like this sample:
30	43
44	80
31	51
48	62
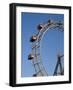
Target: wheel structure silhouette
35	56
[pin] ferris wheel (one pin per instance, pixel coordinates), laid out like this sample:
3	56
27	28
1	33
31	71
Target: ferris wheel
36	57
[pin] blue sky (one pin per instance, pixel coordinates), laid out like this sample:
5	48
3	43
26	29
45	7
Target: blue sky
53	41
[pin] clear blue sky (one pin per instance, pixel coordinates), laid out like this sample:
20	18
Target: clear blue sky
52	41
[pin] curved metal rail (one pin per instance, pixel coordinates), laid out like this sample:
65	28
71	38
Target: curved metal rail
35	55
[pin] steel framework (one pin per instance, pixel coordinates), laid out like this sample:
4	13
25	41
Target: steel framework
59	69
35	55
